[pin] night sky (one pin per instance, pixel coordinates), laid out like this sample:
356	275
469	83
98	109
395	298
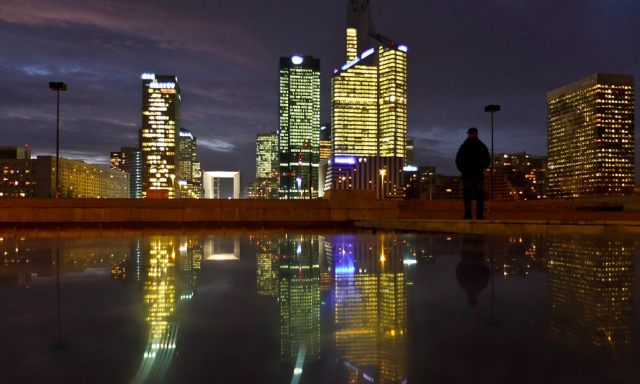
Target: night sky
462	56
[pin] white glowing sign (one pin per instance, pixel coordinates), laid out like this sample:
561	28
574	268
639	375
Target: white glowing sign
162	85
403	48
297	60
186	134
368	52
410	168
345	160
148	76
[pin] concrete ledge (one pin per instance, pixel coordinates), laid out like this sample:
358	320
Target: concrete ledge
512	227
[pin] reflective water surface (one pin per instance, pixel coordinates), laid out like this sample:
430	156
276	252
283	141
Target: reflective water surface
388	308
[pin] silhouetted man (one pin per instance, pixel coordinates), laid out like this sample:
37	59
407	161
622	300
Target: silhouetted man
472	159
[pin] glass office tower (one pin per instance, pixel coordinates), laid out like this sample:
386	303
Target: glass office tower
129	160
159	137
590	142
187	155
267	155
299	127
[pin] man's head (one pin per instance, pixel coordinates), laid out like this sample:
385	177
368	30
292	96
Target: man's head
472	132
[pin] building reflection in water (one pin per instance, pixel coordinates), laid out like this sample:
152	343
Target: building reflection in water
267	267
365	282
299	293
591	291
26	257
170	266
370	309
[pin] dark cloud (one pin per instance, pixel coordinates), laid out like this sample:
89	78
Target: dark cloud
463	55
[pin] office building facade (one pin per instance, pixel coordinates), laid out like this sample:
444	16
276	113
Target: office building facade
382	174
13	153
590	127
129	160
369	92
36	178
325	141
299	127
159	138
267	160
408	152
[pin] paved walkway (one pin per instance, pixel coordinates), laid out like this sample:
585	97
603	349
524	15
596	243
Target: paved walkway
504	226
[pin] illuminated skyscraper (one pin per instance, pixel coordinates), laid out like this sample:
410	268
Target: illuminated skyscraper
590	128
267	155
129	160
159	138
369	92
591	291
325	141
299	275
299	126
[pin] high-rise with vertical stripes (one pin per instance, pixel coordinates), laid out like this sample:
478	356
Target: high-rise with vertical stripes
299	133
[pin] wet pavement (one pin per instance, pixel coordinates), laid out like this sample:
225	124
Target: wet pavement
430	308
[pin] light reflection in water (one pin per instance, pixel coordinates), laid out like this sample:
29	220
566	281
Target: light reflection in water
591	292
171	265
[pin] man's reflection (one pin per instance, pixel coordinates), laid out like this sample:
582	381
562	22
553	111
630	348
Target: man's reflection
370	309
591	288
472	273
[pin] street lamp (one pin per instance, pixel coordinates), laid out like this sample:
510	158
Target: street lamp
58	86
492	109
382	173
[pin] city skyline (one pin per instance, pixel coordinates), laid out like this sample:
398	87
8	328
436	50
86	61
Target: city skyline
461	59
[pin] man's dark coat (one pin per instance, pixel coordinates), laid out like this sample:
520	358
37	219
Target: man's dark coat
472	159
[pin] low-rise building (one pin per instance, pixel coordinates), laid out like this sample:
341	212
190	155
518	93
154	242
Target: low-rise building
383	174
77	179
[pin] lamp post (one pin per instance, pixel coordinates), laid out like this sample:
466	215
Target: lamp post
58	86
382	173
492	109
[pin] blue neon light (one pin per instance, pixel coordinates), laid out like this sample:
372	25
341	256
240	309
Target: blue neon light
368	52
345	270
403	48
350	64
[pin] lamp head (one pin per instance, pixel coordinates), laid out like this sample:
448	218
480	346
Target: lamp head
57	86
492	108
